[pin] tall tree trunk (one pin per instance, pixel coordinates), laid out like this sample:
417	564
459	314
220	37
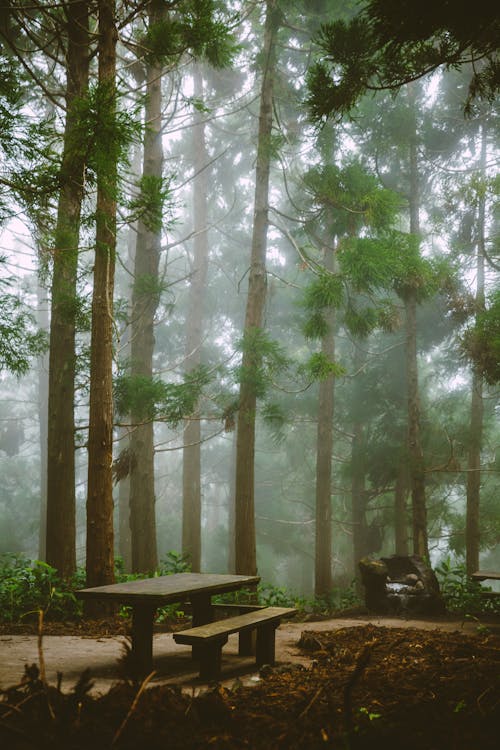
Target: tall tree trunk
191	465
476	409
145	300
60	522
100	553
358	473
231	510
324	451
245	545
124	536
401	511
43	393
415	452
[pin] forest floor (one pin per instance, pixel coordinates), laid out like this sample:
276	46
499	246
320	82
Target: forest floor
352	682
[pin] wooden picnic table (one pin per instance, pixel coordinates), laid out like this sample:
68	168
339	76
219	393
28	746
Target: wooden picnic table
147	594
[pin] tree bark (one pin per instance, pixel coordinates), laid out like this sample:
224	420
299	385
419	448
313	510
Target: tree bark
124	536
145	301
324	451
472	537
191	466
401	512
43	395
245	544
60	520
100	553
415	452
358	490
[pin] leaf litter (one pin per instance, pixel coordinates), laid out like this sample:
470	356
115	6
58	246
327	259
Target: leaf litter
367	687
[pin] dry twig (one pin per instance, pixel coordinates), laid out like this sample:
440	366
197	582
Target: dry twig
132	708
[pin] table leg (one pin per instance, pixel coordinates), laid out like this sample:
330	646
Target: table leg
203	612
142	639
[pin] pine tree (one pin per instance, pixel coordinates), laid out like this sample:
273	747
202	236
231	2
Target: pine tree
100	535
245	558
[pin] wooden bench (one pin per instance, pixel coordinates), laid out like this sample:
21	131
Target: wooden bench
208	640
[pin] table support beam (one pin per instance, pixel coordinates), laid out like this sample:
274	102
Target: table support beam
142	639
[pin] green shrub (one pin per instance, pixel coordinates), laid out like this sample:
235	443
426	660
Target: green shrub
460	593
26	587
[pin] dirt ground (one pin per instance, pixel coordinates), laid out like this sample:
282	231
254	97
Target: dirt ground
350	682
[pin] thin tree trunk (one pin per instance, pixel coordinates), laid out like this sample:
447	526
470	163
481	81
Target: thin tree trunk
124	535
324	451
144	305
416	456
191	465
100	553
358	472
245	545
43	393
231	511
60	523
472	538
401	512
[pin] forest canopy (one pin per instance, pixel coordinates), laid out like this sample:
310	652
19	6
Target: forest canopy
390	43
252	292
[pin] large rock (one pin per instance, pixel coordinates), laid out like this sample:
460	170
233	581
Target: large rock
401	584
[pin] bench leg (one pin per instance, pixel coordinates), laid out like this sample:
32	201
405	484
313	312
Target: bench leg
246	643
210	656
266	637
142	639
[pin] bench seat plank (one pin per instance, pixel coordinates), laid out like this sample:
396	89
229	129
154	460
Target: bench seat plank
209	639
249	620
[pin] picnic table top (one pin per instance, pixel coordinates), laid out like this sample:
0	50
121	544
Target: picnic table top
171	588
485	575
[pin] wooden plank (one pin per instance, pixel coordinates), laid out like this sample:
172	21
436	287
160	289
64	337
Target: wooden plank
485	575
247	621
165	589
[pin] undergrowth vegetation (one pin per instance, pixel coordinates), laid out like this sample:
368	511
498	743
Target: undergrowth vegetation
30	586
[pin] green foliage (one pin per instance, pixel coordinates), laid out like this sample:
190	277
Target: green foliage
152	398
388	44
148	286
361	321
275	419
264	358
174	562
102	132
350	198
369	263
149	205
27	587
319	367
412	272
200	28
315	326
482	341
460	593
19	338
325	292
279	596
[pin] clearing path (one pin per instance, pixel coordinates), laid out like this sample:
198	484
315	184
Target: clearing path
70	655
